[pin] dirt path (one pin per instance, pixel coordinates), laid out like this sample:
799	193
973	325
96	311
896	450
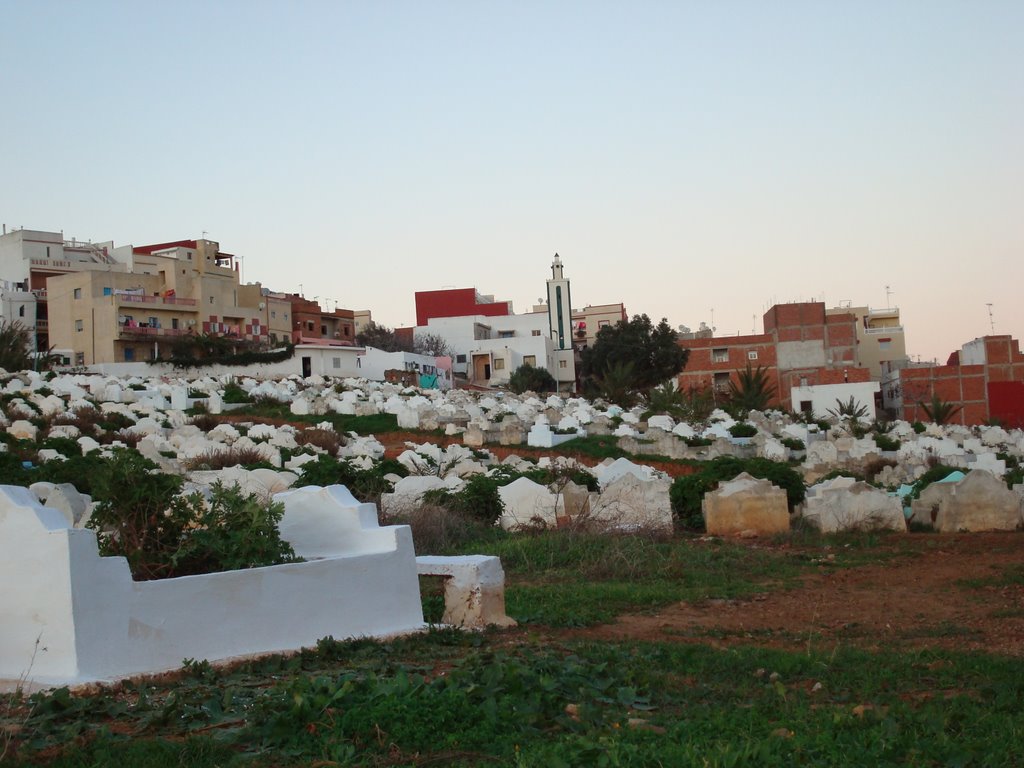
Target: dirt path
916	599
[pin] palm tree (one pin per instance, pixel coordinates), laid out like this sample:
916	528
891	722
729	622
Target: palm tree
618	384
940	411
752	390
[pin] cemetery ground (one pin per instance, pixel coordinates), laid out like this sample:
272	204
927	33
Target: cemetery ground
633	650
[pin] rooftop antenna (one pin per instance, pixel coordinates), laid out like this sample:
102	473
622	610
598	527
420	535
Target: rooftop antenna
712	319
888	293
302	293
753	324
204	234
991	320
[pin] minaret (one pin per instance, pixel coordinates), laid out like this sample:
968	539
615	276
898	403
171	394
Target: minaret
559	307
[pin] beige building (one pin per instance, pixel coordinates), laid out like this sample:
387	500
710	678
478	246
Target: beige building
880	342
178	289
588	321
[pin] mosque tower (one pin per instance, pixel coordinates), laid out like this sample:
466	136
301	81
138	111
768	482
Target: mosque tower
559	307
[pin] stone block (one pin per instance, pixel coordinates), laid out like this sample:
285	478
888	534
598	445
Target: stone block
745	506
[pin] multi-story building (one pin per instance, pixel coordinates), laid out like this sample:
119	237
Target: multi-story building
587	322
311	325
984	378
802	347
881	345
182	288
28	258
457	302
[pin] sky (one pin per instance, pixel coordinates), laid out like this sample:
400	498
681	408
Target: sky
698	161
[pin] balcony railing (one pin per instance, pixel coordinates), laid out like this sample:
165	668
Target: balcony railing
884	329
141	298
145	330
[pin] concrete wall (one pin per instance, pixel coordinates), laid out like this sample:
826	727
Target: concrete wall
823	397
76	616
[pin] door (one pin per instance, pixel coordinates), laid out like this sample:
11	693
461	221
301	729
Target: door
307	367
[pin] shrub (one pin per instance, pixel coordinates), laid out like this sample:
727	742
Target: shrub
325	439
918	427
935	473
687	492
698	441
233	393
15	346
528	378
742	429
205	421
886	443
793	443
365	484
478	498
250	458
230	532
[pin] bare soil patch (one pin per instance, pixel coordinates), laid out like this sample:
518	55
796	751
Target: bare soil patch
918	597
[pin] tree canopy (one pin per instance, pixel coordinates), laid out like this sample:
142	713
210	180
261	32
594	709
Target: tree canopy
382	337
527	378
650	353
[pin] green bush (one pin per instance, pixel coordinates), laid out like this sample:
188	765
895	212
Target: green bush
528	378
886	443
687	492
918	427
143	517
230	532
742	429
793	443
365	484
478	498
697	441
234	394
936	473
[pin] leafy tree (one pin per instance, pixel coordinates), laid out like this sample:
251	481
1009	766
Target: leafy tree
851	410
751	390
431	344
649	353
382	337
527	378
15	346
940	411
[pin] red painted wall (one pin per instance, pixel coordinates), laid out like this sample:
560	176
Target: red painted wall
455	302
1006	403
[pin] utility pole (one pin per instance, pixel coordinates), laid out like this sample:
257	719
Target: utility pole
991	320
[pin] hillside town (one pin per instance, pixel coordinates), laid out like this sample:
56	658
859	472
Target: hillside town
120	309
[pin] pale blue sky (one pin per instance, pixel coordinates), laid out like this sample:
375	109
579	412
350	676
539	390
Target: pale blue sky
678	155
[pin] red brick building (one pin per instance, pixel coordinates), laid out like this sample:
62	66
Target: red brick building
311	325
458	302
985	378
800	346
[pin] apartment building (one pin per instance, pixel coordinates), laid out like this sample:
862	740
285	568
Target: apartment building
170	290
802	347
311	325
985	378
29	258
881	345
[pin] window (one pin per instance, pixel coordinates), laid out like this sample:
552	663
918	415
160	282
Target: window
107	291
79	358
506	334
211	299
359	362
78	293
336	362
309	325
535	333
530	360
721	382
21	311
803	381
563	364
720	355
460	358
174	323
323	330
273	313
129	354
752	355
499	364
806	406
884	344
603	323
79	326
153	322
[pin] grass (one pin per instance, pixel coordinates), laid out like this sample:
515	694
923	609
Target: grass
572	578
468	700
375	424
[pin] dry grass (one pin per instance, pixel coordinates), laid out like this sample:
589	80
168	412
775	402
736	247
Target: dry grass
325	439
212	460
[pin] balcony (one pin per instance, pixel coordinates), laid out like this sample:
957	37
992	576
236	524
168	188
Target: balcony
148	331
141	298
881	330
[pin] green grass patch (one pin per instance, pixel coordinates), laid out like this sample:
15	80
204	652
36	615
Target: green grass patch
468	700
571	578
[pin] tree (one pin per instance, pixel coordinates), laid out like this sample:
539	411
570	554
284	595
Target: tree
15	347
431	344
752	390
652	350
940	411
527	378
382	337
